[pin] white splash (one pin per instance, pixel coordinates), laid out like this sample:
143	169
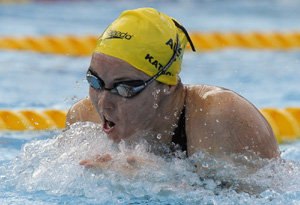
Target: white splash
52	166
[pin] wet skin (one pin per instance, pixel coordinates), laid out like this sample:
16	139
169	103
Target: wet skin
218	121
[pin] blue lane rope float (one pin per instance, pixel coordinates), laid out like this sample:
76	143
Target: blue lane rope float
84	45
284	122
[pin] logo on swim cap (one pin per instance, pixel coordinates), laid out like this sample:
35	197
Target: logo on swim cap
117	34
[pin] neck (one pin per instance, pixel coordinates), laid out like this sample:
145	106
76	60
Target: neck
169	112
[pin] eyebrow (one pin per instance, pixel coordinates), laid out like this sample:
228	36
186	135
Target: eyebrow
93	71
117	80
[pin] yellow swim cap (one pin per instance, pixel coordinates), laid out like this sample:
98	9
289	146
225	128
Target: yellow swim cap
146	39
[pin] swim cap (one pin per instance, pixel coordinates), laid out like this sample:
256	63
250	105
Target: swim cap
146	39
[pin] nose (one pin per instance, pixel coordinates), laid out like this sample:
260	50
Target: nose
105	100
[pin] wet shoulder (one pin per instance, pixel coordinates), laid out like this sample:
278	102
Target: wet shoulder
214	100
82	111
199	94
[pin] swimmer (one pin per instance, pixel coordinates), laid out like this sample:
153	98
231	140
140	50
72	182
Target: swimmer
136	92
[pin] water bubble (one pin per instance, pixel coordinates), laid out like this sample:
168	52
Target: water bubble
217	120
167	117
155	105
158	136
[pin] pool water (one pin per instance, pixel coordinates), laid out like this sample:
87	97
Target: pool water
46	171
43	167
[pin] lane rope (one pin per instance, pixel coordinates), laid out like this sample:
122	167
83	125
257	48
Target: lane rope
32	119
84	45
284	122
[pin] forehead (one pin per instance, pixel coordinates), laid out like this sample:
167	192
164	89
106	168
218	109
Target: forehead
108	66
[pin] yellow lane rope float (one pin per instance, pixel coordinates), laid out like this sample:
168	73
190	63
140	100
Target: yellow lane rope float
84	45
284	122
32	120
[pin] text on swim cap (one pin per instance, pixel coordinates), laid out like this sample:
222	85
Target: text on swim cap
173	47
118	34
157	64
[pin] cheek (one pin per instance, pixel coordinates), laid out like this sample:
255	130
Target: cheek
138	112
93	95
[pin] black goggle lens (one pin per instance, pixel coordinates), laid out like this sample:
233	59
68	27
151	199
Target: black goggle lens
125	89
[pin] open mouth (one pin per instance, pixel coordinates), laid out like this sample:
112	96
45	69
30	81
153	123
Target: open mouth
108	125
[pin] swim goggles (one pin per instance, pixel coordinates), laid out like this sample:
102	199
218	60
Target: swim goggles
129	89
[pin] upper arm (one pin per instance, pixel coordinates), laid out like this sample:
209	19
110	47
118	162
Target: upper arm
227	123
82	111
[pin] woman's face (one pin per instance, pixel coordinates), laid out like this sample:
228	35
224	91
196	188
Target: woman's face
123	117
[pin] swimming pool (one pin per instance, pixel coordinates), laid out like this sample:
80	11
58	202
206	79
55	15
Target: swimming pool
39	168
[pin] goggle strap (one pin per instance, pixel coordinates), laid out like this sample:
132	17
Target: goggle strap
186	34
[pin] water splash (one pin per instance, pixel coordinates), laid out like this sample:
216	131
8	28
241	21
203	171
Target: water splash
52	166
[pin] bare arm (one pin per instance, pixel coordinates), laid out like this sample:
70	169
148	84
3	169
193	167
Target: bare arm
82	111
221	121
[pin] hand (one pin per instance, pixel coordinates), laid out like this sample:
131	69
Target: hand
100	162
105	162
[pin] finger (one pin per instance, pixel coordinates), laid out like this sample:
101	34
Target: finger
83	162
131	160
90	164
104	158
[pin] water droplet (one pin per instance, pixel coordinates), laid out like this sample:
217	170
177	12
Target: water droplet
171	133
167	117
155	105
158	136
217	120
36	123
174	125
74	97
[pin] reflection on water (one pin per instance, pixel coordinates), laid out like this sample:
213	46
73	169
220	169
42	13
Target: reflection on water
49	170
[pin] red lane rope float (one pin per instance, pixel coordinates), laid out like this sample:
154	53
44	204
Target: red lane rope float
284	122
84	45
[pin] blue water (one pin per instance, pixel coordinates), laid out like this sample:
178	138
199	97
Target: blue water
42	167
